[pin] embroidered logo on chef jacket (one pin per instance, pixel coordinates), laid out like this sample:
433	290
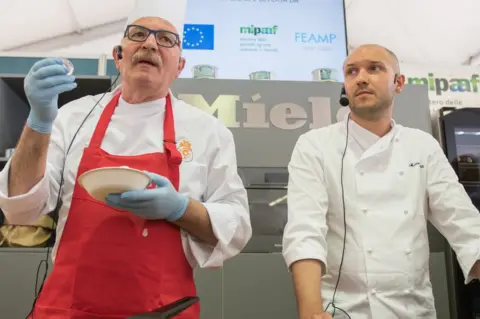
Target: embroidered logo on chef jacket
185	148
416	164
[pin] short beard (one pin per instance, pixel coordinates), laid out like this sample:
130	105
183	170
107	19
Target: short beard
371	113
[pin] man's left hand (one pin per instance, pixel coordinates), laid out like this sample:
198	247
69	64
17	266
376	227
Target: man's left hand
161	202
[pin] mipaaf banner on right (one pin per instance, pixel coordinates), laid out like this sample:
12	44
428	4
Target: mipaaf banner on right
452	86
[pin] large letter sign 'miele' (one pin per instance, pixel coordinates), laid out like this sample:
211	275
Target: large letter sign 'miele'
286	116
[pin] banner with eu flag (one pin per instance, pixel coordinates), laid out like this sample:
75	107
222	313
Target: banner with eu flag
199	37
292	40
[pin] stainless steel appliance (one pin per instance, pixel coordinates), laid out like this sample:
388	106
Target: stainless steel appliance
267	196
460	132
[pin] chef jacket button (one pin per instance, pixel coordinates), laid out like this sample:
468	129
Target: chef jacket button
396	140
408	251
145	232
369	250
401	173
365	210
408	291
362	173
373	291
405	212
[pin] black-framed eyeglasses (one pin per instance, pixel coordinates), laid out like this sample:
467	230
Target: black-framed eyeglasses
164	38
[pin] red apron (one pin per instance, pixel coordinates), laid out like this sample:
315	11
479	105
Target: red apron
111	263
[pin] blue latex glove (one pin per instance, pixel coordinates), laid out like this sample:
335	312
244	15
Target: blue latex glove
44	82
162	202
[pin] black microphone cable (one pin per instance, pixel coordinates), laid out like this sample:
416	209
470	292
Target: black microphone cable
343	102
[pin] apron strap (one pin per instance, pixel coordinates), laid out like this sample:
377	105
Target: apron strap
170	145
102	125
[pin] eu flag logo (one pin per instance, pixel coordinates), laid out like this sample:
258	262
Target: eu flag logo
198	37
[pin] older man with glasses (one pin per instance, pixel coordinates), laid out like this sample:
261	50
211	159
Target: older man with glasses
134	251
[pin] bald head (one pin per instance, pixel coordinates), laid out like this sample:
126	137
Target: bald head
391	56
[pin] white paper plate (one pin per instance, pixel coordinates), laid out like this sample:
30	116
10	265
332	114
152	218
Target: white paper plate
100	182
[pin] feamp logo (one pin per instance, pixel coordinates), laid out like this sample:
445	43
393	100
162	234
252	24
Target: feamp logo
315	38
444	85
255	30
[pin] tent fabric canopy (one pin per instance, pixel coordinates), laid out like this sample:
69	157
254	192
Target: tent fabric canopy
431	32
72	27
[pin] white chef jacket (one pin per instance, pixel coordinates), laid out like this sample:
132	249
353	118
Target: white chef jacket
392	185
208	173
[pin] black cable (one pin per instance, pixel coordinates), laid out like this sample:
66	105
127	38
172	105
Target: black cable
332	303
56	211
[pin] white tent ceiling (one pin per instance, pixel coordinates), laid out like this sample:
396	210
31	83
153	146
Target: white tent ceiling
79	27
434	32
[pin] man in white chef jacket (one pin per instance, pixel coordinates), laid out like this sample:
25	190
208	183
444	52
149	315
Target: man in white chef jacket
379	188
136	251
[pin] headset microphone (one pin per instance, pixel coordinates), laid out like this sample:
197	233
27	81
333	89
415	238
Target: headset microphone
343	98
118	50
